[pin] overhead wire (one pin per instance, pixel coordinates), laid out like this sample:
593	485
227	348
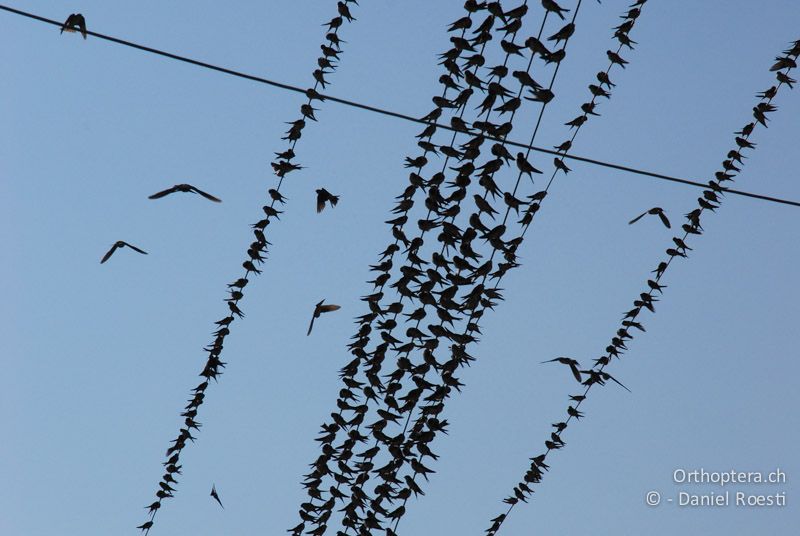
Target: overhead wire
399	115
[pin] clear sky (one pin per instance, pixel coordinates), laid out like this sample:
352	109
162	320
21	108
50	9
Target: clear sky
99	359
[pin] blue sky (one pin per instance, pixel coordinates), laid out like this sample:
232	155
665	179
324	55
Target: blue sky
98	360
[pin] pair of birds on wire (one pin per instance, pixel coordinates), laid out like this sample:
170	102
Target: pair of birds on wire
187	188
75	23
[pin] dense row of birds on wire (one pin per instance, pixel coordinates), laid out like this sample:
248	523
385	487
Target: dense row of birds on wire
378	442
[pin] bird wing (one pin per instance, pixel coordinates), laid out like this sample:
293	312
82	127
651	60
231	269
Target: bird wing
216	495
328	308
109	253
575	372
134	248
206	195
81	22
613	379
163	193
311	325
320	201
67	26
664	220
637	218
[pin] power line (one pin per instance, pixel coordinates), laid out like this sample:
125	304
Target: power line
399	115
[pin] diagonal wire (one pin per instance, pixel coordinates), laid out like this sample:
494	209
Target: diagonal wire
615	348
211	370
474	314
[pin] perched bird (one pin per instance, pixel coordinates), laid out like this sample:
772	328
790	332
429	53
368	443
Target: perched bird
559	164
603	78
524	166
118	244
75	22
550	5
571	363
324	196
215	495
344	11
655	211
616	58
184	188
318	310
276	196
563	34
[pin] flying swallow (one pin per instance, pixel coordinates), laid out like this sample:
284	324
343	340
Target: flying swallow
318	310
184	188
655	211
324	196
571	363
215	495
118	244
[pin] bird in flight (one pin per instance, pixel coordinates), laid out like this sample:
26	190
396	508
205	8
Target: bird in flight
324	196
571	363
75	22
184	188
119	244
318	310
655	211
216	495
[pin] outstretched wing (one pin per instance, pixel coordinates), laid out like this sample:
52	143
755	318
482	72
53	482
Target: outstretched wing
637	218
664	219
613	379
215	495
575	372
134	248
109	253
328	308
206	195
163	193
311	325
320	200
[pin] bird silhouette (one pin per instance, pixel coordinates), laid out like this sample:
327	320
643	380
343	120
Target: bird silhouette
550	5
559	164
276	196
563	34
318	310
571	363
655	211
616	58
184	188
216	495
75	22
524	166
118	244
603	78
324	196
